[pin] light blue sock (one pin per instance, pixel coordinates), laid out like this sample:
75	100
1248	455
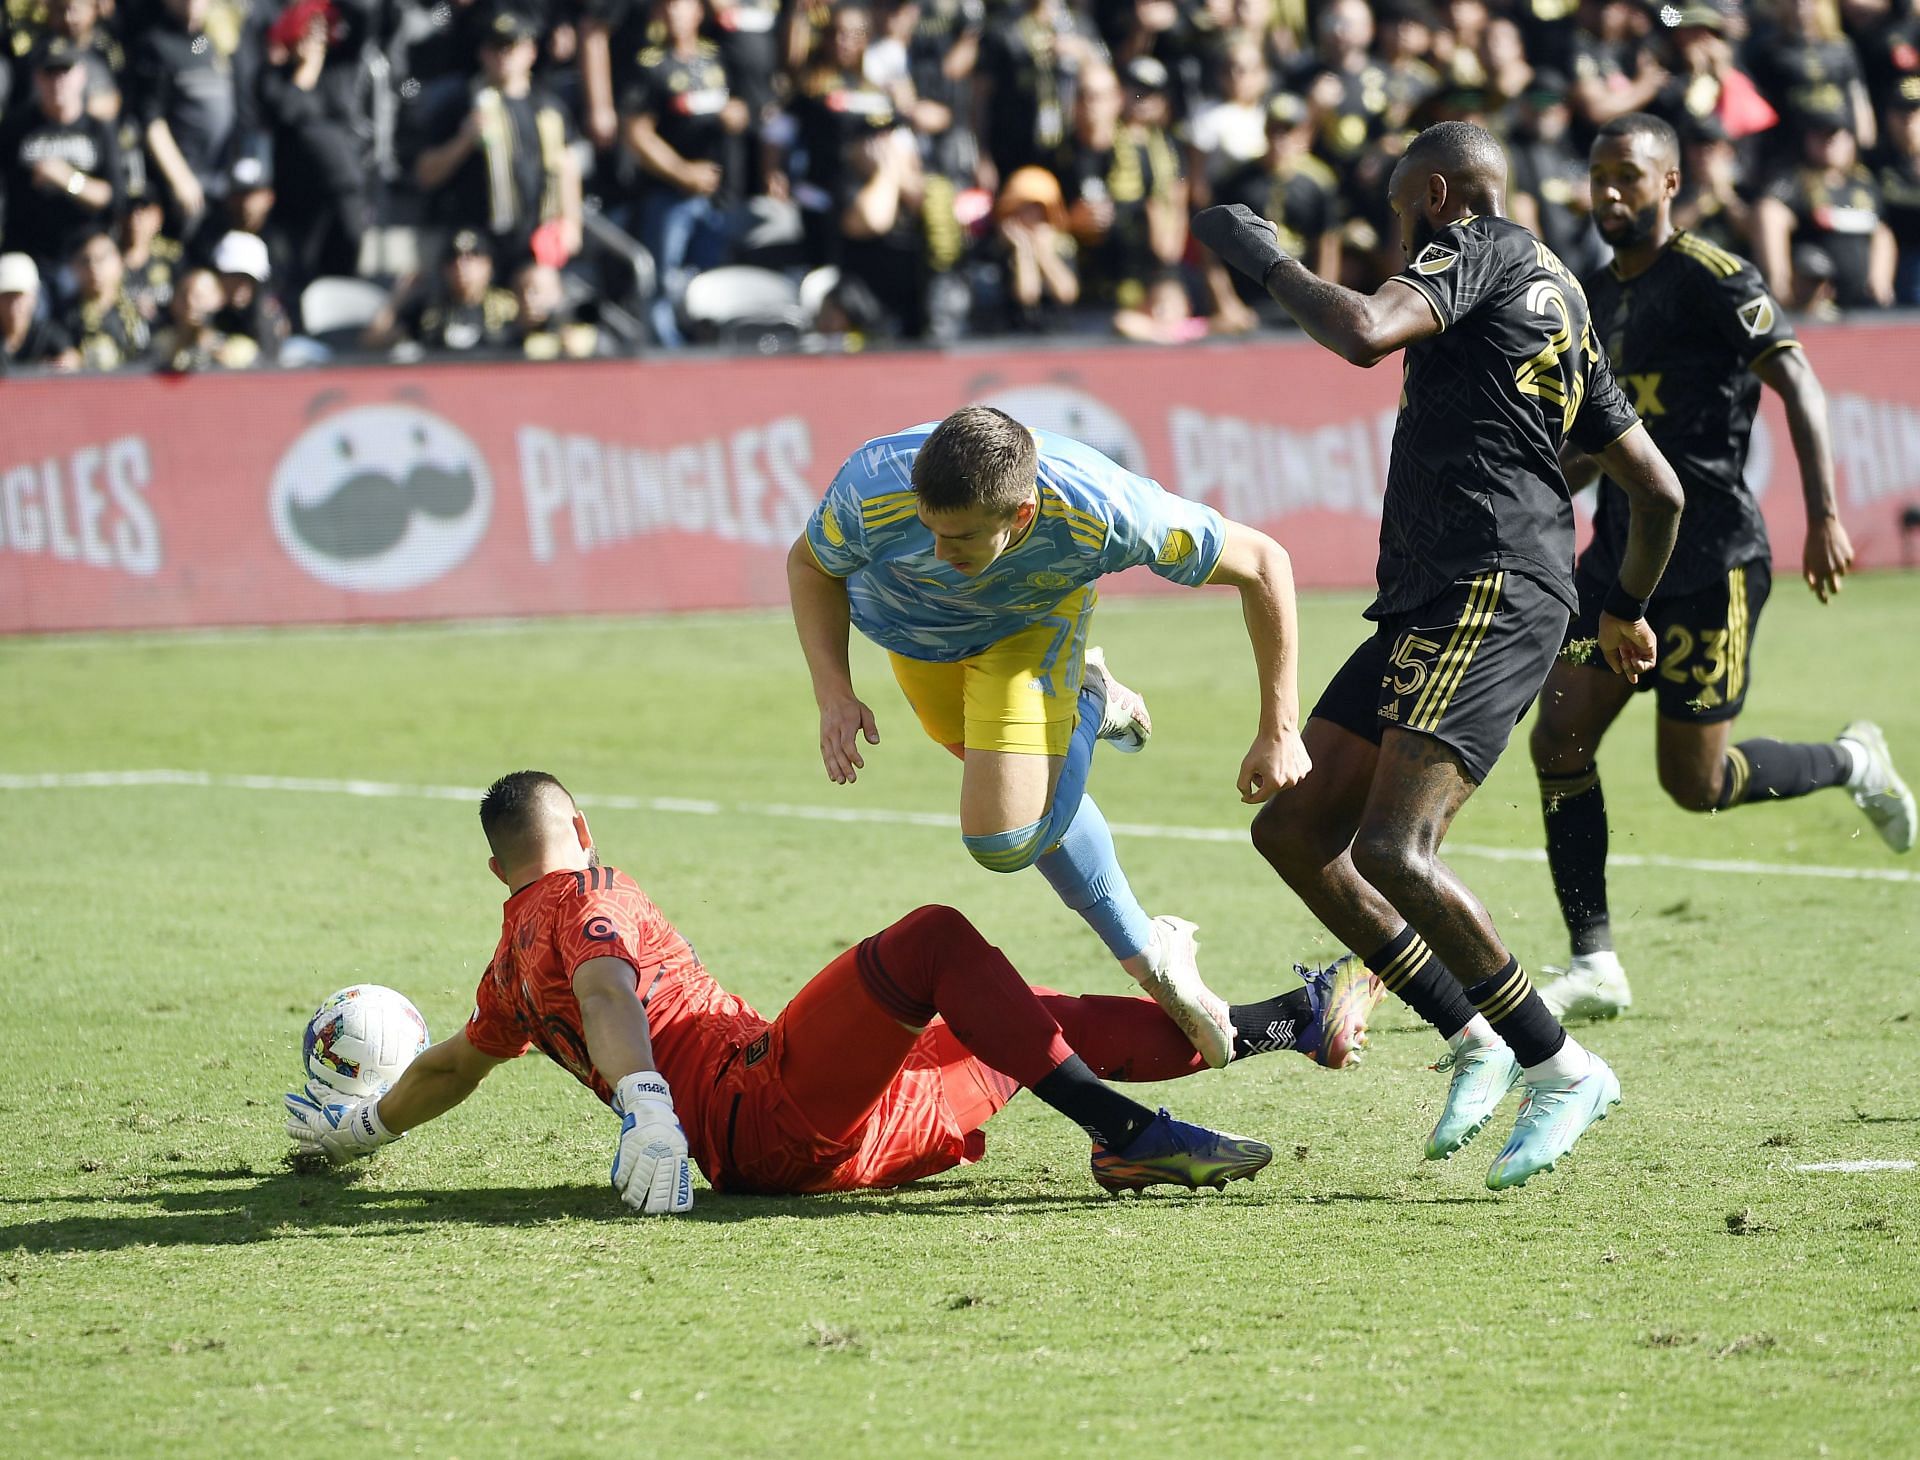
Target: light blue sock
1009	851
1086	873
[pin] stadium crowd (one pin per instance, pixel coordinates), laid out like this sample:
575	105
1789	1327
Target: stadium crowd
197	184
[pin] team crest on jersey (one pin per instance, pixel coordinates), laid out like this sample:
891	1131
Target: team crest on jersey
1179	544
1047	578
1435	259
830	528
1757	315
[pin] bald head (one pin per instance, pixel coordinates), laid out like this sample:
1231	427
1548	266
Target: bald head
1468	156
526	816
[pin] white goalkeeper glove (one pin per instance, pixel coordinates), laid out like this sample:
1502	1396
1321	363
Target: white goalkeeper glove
338	1130
650	1170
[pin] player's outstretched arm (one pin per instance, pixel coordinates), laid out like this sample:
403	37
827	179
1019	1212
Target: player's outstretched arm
822	619
1828	554
440	1079
1361	328
651	1171
1260	568
1654	500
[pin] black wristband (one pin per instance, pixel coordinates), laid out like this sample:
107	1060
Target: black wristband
1623	605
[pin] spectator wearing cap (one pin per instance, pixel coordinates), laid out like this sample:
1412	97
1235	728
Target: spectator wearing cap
248	310
63	173
1820	238
322	166
464	311
1296	192
835	109
1030	220
104	321
1710	203
101	56
500	161
191	341
181	90
682	122
1809	71
1227	134
1348	98
1030	66
29	339
1122	177
1899	179
1547	180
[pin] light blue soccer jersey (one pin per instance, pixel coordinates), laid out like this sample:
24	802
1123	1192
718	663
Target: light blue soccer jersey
1095	518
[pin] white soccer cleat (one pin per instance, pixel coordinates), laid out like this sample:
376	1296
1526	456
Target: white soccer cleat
1879	791
1126	722
1174	984
1595	987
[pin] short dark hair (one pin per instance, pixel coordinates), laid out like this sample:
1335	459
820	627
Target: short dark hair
1466	154
977	457
511	808
1659	134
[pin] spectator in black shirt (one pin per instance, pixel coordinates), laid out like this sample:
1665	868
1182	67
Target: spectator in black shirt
181	91
29	339
318	160
247	309
63	172
1349	98
682	121
104	321
1031	220
1710	204
1818	231
463	312
101	57
1028	69
1549	181
1293	190
544	326
152	260
1809	71
1899	182
192	341
501	164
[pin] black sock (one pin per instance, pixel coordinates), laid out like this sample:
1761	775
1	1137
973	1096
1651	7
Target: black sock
1576	813
1102	1112
1273	1024
1772	770
1408	968
1518	1014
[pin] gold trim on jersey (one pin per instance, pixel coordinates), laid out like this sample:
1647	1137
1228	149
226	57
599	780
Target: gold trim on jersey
1711	256
1483	600
1771	350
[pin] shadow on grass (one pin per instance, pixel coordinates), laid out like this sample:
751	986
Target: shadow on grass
221	1208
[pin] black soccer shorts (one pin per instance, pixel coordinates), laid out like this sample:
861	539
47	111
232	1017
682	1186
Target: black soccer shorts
1705	640
1463	668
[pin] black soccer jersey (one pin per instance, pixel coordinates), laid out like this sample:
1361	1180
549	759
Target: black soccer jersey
1683	337
1475	481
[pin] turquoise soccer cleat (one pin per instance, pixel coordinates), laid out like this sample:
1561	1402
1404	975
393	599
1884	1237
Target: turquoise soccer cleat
1172	1153
1482	1075
1344	995
1551	1119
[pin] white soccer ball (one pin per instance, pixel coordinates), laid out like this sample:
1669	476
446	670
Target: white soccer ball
361	1038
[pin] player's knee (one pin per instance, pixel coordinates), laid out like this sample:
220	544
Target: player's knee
1285	840
1008	851
1692	787
1386	859
938	926
1554	751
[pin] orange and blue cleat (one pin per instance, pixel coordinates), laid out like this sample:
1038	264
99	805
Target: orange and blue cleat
1172	1153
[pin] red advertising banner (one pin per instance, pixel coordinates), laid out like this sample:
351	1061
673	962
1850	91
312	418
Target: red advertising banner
510	489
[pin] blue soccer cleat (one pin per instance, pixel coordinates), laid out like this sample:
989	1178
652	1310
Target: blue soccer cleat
1172	1153
1482	1075
1552	1118
1344	995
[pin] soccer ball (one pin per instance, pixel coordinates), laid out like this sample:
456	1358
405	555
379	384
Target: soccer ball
360	1039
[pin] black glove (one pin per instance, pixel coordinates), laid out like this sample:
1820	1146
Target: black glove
1242	238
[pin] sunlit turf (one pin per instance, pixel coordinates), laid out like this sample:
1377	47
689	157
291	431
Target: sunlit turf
166	1288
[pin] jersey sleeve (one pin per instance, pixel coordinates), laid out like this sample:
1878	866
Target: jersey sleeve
1747	318
1176	539
491	1028
1457	272
1605	414
836	532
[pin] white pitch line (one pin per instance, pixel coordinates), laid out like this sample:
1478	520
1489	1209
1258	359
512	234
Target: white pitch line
870	815
1855	1166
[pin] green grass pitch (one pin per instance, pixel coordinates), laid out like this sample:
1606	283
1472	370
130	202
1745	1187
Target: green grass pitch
167	1288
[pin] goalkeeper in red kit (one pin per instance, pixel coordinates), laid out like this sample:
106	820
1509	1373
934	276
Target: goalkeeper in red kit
881	1070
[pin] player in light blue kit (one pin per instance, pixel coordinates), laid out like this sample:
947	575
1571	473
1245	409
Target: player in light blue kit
968	551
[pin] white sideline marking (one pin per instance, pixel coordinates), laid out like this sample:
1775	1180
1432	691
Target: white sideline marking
1851	1166
679	805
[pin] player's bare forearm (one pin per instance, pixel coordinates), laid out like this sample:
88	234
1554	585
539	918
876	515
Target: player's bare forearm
440	1079
1260	568
613	1020
822	619
1790	374
1654	502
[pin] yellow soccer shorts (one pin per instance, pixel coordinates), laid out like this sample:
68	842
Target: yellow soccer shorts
1020	695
